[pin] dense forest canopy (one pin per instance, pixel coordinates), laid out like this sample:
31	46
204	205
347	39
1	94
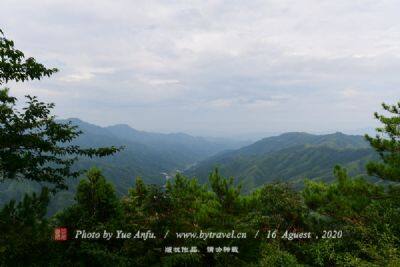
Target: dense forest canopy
361	219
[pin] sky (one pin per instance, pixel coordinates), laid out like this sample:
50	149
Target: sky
212	68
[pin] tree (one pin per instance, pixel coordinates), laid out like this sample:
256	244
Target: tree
33	145
25	232
225	190
14	66
97	208
97	197
366	214
387	144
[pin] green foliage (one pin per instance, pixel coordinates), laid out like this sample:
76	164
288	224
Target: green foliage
272	255
283	207
290	158
96	197
97	208
225	190
30	143
146	160
367	214
14	66
25	233
387	144
33	145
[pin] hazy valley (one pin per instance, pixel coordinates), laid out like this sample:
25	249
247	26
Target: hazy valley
155	157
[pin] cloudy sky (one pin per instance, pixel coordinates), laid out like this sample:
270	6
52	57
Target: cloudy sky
219	68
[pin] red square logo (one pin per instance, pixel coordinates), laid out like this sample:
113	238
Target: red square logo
60	234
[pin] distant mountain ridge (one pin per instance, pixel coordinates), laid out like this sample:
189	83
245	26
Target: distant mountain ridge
289	157
286	140
154	156
146	154
151	156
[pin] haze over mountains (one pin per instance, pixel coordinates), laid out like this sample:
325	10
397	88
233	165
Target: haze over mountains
146	154
286	157
289	157
155	157
151	156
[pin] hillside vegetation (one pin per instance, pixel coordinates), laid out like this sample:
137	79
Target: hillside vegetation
290	157
151	156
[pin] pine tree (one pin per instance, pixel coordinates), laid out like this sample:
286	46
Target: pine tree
25	238
387	144
97	197
227	193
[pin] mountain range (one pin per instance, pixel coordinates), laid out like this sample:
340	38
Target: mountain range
289	157
155	157
151	156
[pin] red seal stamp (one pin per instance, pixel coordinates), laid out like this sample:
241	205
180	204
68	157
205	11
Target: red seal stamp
60	234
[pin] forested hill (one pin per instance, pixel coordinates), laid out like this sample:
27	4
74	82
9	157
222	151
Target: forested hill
289	157
150	156
146	154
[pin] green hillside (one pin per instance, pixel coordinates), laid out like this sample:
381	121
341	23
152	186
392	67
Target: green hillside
151	156
289	157
148	155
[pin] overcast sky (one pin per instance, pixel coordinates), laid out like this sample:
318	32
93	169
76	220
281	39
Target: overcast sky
212	67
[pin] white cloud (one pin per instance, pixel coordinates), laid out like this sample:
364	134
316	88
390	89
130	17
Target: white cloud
157	82
350	92
245	58
85	74
77	77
